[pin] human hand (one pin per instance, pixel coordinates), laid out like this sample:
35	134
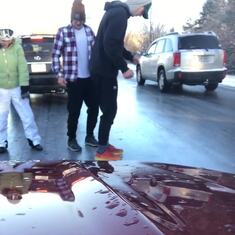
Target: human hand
24	92
128	74
62	81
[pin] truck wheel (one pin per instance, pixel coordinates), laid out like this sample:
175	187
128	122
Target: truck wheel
211	86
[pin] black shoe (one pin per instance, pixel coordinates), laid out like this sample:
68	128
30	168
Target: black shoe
91	141
3	149
36	147
74	146
105	166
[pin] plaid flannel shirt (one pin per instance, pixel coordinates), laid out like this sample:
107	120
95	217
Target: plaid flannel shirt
65	47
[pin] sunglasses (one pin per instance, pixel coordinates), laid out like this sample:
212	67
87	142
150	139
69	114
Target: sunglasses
6	34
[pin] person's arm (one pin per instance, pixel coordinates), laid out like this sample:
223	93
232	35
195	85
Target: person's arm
23	72
22	67
56	53
114	41
127	55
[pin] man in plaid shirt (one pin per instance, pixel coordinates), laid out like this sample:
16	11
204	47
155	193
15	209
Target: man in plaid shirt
73	44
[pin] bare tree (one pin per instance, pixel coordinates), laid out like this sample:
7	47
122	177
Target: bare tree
139	42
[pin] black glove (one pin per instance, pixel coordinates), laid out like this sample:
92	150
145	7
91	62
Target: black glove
24	92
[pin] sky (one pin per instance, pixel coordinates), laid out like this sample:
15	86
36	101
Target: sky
44	16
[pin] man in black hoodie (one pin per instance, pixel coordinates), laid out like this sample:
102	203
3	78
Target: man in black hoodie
108	57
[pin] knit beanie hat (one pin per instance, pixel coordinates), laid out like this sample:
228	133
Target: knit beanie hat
78	11
134	4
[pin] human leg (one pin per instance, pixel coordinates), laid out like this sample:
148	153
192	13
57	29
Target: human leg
5	98
75	99
74	107
108	90
92	113
26	115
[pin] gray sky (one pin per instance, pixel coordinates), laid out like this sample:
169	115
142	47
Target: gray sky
38	16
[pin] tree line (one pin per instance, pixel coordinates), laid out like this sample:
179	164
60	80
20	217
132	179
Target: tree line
217	16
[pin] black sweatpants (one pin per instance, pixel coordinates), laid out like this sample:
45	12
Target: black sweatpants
107	90
78	91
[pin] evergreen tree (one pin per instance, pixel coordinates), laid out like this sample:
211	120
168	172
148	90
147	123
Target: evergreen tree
229	18
218	16
229	37
211	17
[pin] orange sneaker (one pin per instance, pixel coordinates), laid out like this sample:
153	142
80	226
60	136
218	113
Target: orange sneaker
107	155
115	150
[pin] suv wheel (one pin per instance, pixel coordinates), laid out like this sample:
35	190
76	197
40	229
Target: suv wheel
162	82
211	87
139	77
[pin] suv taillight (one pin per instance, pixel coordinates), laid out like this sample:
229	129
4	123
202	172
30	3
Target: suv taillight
176	59
225	57
37	39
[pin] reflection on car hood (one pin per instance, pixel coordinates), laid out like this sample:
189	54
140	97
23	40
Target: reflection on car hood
67	197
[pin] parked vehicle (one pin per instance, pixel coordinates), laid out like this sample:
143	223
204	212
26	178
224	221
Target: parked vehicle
92	198
177	59
38	49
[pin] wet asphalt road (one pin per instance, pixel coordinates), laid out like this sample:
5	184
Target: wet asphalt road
189	127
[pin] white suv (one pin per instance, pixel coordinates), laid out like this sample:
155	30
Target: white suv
176	59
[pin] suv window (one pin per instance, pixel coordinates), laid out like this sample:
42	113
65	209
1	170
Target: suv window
151	50
41	47
168	46
198	42
160	46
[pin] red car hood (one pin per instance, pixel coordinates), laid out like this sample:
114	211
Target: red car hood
66	198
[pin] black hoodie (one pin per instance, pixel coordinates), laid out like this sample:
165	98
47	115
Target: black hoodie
108	54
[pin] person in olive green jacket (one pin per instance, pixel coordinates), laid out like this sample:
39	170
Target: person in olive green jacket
14	88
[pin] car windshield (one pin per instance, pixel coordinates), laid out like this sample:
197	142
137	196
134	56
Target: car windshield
198	42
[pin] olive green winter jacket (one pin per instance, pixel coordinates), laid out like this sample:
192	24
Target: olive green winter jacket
13	67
